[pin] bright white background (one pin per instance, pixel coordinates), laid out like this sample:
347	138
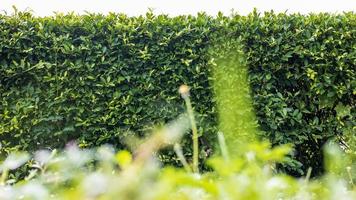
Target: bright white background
177	7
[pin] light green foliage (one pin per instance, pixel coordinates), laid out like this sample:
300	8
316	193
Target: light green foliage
232	94
103	174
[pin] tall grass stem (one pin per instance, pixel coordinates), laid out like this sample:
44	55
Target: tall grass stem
184	91
179	152
223	147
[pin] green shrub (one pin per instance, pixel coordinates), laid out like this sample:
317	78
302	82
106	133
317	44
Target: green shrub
244	168
99	79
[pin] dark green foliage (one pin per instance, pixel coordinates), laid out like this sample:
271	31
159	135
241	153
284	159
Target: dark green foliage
97	79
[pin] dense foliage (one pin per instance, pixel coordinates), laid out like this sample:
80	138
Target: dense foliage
242	168
99	79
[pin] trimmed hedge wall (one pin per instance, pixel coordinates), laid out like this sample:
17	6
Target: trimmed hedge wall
98	79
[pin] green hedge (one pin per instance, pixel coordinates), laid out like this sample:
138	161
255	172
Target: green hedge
98	79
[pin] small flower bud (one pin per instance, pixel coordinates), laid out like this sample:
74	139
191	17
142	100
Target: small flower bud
184	91
348	168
